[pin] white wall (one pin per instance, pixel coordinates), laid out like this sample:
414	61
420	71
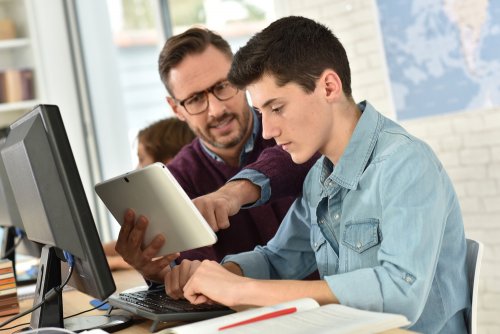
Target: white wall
468	143
58	80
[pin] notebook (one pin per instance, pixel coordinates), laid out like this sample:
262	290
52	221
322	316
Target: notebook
156	305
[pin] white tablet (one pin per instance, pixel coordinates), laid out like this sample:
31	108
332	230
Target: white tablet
153	192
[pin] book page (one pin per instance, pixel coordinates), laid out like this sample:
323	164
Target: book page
213	325
330	318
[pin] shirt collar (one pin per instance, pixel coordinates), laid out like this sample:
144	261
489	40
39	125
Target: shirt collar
353	161
248	145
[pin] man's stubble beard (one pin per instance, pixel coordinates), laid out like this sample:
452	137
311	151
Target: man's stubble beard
243	122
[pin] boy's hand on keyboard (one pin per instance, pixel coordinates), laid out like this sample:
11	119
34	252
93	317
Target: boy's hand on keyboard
177	277
212	282
129	247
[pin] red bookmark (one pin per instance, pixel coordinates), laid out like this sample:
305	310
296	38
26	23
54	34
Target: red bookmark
262	317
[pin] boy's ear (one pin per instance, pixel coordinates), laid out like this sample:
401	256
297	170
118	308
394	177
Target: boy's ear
332	84
175	108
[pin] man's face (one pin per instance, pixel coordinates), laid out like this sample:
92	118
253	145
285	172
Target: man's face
299	122
224	124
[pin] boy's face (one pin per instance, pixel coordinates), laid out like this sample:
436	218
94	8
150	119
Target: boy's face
300	122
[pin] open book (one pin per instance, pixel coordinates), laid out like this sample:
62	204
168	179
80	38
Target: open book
297	316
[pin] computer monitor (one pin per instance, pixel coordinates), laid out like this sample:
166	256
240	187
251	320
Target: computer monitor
54	211
13	245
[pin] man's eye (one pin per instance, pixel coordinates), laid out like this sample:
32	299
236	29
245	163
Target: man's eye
276	110
194	99
221	86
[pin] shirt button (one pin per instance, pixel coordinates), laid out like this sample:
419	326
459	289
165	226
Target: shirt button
321	221
315	244
336	216
358	245
408	279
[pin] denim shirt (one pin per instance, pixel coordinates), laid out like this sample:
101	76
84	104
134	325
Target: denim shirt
383	227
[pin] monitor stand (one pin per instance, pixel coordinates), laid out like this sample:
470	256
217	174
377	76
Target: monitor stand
50	314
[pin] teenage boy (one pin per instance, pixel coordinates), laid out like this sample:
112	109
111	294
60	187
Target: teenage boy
378	216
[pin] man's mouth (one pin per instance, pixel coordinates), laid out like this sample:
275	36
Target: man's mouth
222	123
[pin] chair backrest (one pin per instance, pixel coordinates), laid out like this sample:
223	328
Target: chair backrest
474	257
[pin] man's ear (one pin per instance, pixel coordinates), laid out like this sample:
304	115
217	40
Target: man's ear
331	83
175	108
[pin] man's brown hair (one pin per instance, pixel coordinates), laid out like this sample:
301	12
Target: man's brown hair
192	41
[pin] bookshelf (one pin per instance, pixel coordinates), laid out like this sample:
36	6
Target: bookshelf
19	88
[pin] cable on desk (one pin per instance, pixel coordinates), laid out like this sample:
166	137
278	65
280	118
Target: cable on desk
15	326
50	295
69	316
91	309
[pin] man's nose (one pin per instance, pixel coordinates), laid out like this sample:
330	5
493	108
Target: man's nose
215	107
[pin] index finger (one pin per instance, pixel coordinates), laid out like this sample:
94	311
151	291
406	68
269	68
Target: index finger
208	212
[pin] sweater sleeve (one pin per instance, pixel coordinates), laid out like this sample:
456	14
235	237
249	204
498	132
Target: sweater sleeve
285	176
202	253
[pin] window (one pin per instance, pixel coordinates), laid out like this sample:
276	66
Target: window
235	20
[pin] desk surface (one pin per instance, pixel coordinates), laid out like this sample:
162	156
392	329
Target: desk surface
75	302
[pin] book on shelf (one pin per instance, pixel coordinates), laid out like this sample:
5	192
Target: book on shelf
9	303
16	85
7	280
7	286
6	264
7	29
6	273
298	316
11	309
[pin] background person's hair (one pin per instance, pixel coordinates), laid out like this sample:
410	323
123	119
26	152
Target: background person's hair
291	49
192	41
163	139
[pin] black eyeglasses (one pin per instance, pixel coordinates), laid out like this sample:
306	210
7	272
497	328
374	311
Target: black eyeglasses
198	102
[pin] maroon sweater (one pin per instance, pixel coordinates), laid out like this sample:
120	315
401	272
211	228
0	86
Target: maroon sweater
200	174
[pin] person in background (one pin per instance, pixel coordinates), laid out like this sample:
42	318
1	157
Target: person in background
162	140
378	216
228	165
158	142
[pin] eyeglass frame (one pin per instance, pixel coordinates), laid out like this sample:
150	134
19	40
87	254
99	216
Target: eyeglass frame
205	93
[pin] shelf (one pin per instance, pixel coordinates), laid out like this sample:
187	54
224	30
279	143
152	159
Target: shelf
18	106
16	59
14	43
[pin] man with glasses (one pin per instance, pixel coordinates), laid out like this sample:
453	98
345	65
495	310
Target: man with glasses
193	67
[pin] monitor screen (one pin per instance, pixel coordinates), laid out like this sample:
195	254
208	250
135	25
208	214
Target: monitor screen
53	207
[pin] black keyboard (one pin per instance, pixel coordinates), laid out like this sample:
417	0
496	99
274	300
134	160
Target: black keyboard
158	302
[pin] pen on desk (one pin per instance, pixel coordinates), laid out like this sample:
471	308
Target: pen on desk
262	317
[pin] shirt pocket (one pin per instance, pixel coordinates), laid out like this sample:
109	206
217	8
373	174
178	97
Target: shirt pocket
360	244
